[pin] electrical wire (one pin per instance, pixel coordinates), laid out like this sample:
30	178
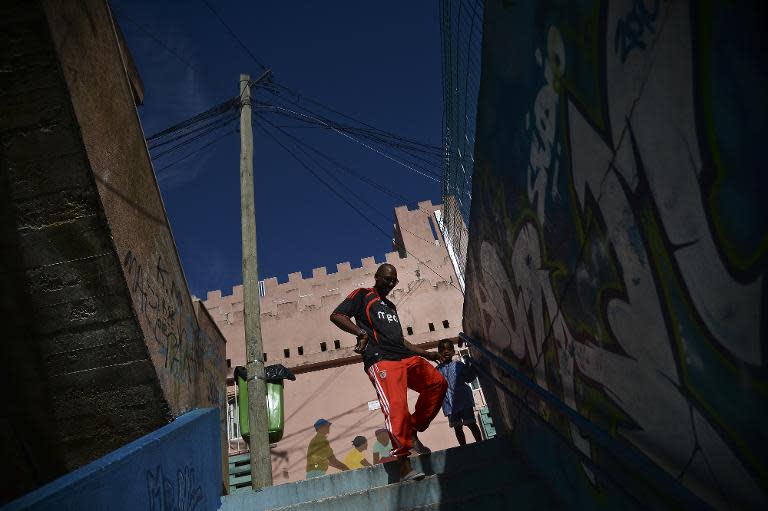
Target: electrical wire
298	141
159	41
196	151
409	147
303	145
347	202
213	124
219	109
218	125
427	174
234	36
346	116
345	168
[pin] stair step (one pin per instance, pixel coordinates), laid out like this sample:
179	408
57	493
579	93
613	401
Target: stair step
489	451
531	497
456	486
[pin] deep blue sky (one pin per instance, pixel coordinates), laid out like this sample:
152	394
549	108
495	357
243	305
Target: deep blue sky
379	62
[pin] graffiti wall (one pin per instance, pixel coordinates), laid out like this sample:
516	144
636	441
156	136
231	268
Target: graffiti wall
180	349
618	230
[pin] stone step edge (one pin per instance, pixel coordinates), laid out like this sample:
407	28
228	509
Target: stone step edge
427	479
282	492
468	498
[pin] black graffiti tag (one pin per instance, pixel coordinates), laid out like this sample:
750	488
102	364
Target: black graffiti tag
163	495
631	29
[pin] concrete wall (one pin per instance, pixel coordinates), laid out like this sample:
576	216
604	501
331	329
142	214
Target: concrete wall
103	344
340	395
332	383
211	387
173	468
619	233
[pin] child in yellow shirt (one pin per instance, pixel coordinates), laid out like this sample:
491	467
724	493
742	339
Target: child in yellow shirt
355	458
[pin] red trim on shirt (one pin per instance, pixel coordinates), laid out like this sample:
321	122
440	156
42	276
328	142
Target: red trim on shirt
368	314
353	293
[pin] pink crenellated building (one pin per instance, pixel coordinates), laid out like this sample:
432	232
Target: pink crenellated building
330	381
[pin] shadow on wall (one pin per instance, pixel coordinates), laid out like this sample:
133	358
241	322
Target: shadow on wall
22	437
622	267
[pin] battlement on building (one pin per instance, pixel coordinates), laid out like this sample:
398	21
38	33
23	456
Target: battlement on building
296	280
345	275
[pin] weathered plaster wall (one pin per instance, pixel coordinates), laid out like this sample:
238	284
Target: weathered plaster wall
619	233
102	101
211	380
103	344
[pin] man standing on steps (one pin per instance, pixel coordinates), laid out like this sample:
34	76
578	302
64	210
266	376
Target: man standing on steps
393	365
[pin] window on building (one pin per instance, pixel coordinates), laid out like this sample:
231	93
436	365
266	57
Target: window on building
445	323
265	357
233	419
286	353
434	231
229	362
323	346
336	344
431	327
410	330
300	349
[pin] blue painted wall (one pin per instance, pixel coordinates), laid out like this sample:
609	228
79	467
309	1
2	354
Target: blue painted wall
619	232
177	467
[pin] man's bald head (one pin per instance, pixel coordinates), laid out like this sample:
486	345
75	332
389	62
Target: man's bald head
386	279
386	270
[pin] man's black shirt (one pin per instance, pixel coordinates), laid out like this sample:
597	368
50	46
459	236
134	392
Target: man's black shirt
378	317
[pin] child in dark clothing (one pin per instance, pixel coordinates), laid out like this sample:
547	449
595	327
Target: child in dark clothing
458	404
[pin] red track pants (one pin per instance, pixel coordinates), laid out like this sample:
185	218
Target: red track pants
392	379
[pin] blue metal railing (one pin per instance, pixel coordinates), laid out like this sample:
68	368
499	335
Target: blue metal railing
655	474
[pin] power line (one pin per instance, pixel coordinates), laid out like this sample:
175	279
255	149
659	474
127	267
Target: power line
188	141
311	171
219	109
348	203
378	211
425	173
348	170
370	129
155	143
217	139
321	105
232	33
159	41
430	155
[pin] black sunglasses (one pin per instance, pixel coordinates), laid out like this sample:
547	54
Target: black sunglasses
391	280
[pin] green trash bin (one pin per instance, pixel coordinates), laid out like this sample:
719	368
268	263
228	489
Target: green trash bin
276	374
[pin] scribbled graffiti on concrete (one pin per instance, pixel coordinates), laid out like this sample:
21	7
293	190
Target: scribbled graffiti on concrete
189	358
183	494
601	260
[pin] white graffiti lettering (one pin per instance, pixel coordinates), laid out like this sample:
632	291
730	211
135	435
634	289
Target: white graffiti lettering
542	134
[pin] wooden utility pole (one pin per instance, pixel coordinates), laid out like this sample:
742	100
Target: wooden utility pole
261	462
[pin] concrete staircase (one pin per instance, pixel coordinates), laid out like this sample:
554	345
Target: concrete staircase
485	476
